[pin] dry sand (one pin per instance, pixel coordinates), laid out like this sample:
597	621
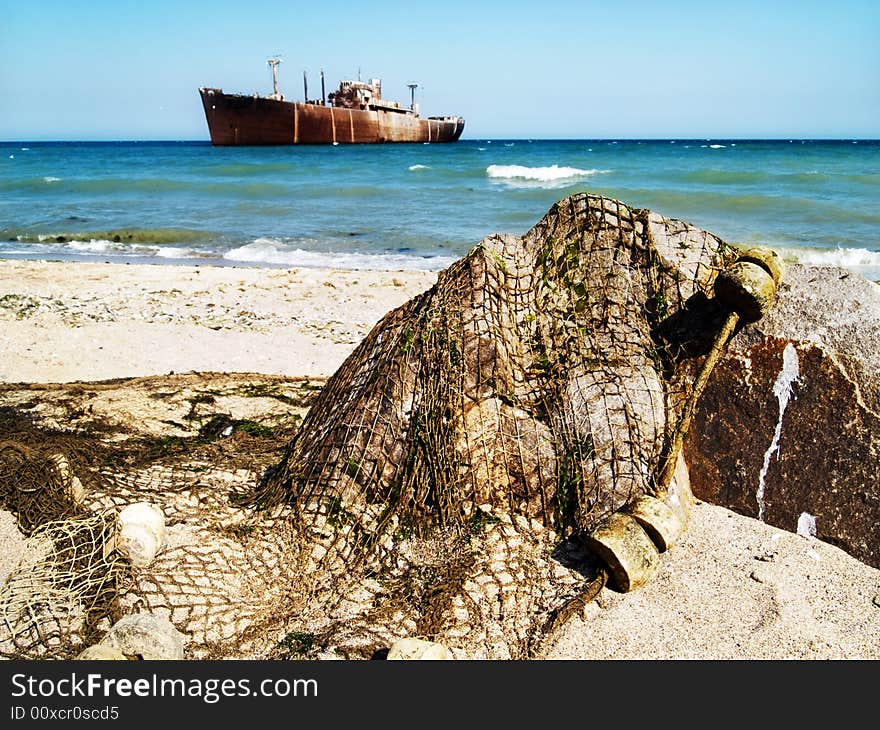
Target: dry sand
736	588
61	322
733	588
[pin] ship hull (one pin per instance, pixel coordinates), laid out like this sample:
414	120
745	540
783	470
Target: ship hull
235	119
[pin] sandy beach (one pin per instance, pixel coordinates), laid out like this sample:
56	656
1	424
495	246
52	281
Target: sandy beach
733	588
94	321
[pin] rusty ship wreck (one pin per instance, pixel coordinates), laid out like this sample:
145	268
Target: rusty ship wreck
355	113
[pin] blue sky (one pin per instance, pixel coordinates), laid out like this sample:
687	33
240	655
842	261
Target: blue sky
626	68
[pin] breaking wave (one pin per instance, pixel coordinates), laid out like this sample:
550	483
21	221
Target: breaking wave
849	258
119	244
553	176
274	251
102	247
96	246
543	174
117	236
418	167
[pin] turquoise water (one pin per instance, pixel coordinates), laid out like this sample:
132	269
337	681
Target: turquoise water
421	206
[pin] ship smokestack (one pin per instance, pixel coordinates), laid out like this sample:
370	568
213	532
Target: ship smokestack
305	88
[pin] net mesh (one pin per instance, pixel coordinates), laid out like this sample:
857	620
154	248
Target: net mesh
441	478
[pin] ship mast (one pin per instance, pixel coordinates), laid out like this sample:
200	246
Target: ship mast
412	95
273	62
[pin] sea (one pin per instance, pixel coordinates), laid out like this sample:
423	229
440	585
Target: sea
421	206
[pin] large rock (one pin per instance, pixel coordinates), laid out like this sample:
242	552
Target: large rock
790	421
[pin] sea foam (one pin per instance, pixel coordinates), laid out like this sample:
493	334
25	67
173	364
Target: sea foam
418	167
554	173
172	252
274	251
104	247
93	245
862	261
845	257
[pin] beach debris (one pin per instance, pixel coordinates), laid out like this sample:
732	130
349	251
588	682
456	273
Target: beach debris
764	257
528	396
658	519
73	487
620	539
626	549
38	484
101	652
530	378
67	582
806	525
142	533
453	479
413	649
145	636
746	289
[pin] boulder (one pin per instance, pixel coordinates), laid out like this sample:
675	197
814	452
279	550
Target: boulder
788	428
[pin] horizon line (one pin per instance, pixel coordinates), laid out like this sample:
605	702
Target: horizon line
487	138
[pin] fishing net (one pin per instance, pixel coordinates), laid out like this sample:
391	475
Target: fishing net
65	475
441	479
